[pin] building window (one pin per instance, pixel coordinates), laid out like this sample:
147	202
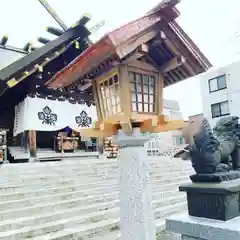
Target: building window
220	109
179	140
109	96
143	92
218	83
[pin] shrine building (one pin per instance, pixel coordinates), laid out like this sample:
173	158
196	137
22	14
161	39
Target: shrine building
34	115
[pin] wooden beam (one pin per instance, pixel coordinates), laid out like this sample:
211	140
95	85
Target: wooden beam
136	117
126	126
163	36
124	49
141	50
160	39
180	49
135	55
90	132
116	118
142	66
85	86
163	119
169	126
172	64
147	126
107	127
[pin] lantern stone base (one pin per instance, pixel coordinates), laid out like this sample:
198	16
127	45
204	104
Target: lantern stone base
194	228
137	220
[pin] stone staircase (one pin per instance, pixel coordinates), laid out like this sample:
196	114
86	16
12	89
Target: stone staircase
78	199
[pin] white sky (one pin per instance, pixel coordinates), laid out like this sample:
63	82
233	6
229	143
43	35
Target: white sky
212	24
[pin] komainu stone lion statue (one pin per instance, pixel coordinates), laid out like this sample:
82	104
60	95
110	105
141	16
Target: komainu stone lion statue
218	150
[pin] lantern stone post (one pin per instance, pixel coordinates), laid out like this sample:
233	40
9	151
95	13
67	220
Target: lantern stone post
137	220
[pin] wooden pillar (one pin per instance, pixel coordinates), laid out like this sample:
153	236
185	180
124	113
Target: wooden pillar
100	140
25	141
100	145
159	94
32	143
125	90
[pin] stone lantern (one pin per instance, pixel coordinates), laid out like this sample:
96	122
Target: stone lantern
128	69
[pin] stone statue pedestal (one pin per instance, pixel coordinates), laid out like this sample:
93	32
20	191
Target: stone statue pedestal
215	177
137	220
218	201
213	211
194	228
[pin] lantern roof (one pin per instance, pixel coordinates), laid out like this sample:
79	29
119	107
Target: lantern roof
170	49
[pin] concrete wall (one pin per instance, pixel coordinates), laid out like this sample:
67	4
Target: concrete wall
230	94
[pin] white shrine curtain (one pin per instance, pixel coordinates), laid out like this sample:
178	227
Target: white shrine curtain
52	115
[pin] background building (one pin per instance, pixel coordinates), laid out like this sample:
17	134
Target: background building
220	92
172	110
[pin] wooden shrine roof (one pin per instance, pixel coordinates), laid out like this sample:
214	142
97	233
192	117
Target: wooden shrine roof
170	49
35	68
42	56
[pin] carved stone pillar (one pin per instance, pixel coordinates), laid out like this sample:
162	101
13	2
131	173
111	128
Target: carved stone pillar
136	214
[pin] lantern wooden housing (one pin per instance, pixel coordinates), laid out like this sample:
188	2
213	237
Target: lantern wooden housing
129	68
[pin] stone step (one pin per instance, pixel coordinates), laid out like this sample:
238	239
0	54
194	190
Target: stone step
56	170
78	221
71	195
116	235
83	178
47	207
91	188
83	232
90	170
13	189
66	213
32	167
86	182
78	171
79	199
62	182
83	175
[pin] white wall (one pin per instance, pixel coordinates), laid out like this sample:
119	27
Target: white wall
231	93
